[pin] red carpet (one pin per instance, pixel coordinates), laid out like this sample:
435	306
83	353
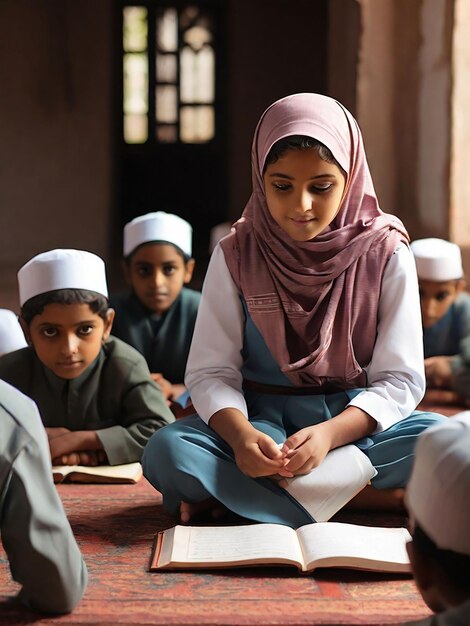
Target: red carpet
115	526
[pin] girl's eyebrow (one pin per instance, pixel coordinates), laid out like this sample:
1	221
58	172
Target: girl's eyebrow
281	175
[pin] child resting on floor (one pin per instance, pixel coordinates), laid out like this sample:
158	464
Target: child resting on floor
157	316
94	392
445	311
43	555
438	503
308	333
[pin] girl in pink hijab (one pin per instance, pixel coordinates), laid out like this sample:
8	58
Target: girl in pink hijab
308	335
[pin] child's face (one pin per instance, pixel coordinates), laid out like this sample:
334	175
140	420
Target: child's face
436	299
67	338
157	273
303	192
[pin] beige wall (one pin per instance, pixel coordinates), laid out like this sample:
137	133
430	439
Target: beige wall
396	64
275	48
460	155
375	96
55	148
434	122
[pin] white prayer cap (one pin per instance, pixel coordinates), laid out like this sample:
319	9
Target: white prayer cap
437	260
62	269
11	334
437	496
158	226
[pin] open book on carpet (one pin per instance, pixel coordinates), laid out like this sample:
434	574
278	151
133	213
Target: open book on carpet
326	544
127	473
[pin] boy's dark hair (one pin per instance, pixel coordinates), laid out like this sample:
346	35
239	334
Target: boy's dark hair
299	142
35	306
128	258
455	565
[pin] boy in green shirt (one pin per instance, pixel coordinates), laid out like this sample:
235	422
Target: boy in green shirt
94	392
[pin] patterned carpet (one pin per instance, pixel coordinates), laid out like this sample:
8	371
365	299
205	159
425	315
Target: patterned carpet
115	526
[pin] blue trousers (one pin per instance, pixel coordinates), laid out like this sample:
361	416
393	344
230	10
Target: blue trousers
188	461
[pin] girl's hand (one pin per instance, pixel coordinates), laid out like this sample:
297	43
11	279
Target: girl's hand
56	432
259	455
306	449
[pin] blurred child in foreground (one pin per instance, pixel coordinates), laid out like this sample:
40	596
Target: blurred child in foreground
438	502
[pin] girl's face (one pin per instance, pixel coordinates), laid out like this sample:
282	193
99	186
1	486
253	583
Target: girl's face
303	192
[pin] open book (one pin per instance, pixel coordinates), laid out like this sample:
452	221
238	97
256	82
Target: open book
327	488
326	544
128	473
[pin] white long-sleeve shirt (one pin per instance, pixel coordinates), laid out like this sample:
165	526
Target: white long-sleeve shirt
395	373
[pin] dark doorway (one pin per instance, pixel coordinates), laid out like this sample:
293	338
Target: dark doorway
172	152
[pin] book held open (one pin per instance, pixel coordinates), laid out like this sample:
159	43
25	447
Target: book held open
325	544
127	473
327	488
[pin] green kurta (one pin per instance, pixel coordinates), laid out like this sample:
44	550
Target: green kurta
43	555
164	340
115	396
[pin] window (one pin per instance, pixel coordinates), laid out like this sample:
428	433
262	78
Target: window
168	74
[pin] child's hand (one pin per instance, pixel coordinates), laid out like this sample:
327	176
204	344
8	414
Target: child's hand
74	441
305	450
438	371
91	458
165	386
259	455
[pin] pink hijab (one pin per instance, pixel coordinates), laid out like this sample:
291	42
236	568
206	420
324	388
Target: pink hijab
316	302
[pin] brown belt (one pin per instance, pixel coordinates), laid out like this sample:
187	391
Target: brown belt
280	390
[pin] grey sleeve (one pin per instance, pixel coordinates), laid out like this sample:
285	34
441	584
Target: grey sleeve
42	551
143	411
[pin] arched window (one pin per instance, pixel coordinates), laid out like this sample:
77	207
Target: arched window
169	74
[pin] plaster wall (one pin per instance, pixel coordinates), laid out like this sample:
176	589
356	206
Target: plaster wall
375	96
55	148
460	155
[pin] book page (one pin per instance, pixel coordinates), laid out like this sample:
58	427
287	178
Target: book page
333	544
127	471
262	543
327	488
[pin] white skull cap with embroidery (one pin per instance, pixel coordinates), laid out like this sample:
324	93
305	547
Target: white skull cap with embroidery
437	260
62	269
437	496
158	227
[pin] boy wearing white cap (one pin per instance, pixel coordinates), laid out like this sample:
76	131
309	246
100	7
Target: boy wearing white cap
94	392
158	316
438	502
445	310
41	549
11	335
